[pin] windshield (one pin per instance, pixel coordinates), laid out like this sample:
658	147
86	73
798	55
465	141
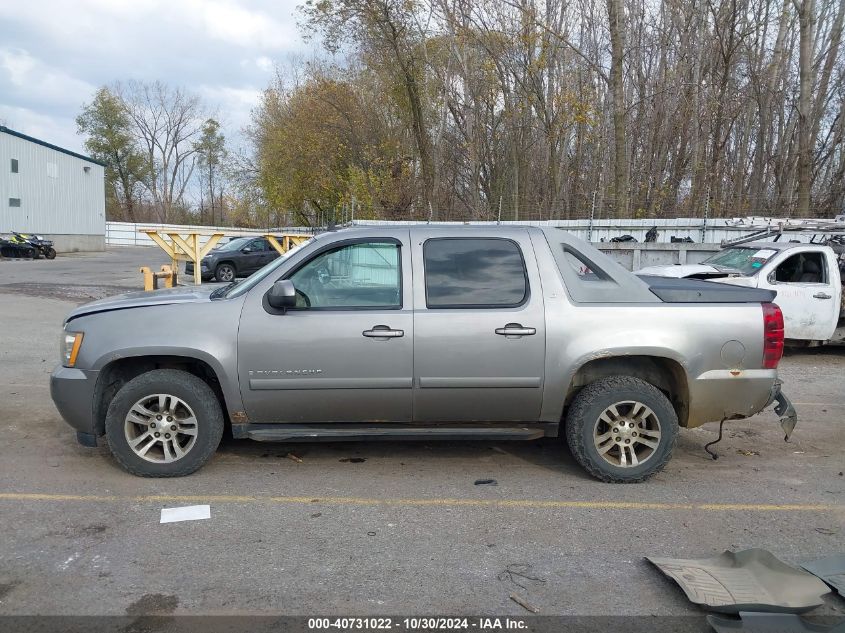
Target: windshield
234	244
746	261
238	288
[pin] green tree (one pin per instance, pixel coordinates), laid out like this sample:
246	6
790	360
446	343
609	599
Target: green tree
110	139
322	144
211	155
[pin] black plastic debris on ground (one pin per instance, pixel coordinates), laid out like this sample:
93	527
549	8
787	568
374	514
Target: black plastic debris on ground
830	569
486	482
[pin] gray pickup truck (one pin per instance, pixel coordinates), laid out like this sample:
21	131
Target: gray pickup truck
422	332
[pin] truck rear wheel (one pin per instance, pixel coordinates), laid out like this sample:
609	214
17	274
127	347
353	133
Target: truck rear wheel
164	423
621	429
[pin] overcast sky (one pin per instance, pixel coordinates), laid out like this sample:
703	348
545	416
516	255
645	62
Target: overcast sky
55	53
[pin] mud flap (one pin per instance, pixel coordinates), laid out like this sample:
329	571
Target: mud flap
788	416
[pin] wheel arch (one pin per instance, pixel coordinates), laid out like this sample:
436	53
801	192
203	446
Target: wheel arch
666	374
118	372
231	263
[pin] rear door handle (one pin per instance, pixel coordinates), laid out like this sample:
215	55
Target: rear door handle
515	329
383	331
822	295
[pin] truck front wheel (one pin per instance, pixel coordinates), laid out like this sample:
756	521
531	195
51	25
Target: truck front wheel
164	423
621	429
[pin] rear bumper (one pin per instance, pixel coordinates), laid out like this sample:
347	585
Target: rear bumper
72	391
724	395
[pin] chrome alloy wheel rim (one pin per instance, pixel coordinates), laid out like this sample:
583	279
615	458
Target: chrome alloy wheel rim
227	274
626	434
160	428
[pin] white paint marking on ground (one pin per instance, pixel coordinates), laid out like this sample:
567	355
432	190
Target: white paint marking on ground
63	566
186	513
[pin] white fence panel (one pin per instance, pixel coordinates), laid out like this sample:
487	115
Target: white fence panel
126	233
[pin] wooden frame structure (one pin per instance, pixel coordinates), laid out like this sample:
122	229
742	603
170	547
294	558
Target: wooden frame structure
184	246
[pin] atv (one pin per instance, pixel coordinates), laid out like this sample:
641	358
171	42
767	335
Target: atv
9	248
38	243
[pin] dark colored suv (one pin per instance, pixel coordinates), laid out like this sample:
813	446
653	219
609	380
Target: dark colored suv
239	257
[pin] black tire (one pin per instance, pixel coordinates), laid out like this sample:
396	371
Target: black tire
225	272
192	391
582	420
51	253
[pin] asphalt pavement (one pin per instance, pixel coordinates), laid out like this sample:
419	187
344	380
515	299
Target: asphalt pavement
383	527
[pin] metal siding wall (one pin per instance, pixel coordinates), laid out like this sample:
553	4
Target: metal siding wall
57	195
715	231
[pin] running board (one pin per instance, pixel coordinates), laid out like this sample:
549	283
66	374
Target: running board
354	432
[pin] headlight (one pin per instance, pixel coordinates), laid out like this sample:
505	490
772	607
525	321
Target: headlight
71	342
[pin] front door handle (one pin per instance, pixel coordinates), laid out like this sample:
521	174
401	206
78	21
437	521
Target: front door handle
383	331
822	295
515	329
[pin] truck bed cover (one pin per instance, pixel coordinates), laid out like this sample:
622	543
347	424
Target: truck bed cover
674	290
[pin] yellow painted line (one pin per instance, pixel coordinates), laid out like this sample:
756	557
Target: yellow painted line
478	503
819	404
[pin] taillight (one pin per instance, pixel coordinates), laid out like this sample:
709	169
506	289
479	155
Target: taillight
772	335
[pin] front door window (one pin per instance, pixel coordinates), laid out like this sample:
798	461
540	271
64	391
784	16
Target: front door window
362	275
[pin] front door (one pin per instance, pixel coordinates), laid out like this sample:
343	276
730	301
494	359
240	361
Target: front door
254	255
479	331
805	294
345	353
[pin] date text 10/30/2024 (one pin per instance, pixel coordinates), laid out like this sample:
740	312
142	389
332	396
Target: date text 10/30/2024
481	624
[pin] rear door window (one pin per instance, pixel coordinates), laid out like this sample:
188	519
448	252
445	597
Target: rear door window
474	273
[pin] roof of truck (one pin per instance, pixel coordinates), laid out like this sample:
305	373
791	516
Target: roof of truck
775	246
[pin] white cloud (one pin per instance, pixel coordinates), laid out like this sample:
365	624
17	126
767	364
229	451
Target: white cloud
53	54
234	106
264	63
35	81
231	23
59	131
17	64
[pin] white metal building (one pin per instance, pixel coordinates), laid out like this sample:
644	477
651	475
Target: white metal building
51	191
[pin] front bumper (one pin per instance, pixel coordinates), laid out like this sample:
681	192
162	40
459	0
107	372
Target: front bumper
205	272
72	391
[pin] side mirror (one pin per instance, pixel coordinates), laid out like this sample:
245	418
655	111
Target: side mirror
282	295
246	249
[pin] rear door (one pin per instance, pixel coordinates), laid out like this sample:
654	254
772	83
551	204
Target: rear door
479	333
806	294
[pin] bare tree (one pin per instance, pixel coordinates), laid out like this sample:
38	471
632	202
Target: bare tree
167	121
